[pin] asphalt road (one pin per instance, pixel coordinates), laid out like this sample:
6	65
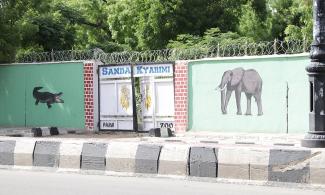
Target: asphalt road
13	182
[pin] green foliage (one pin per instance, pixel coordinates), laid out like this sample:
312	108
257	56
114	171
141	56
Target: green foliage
8	32
251	24
301	25
119	25
211	38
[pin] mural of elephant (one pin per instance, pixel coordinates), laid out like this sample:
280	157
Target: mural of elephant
240	80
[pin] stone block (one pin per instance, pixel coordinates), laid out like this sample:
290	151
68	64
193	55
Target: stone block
121	156
146	159
259	163
233	171
70	155
289	165
46	131
46	154
259	172
54	131
203	162
24	152
317	166
233	163
7	148
93	156
173	159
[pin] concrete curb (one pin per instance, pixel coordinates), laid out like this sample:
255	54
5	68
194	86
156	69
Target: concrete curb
173	159
7	148
120	157
268	164
70	155
37	132
93	156
46	154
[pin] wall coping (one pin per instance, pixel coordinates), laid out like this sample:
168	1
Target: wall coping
250	57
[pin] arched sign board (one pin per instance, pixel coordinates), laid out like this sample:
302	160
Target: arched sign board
156	96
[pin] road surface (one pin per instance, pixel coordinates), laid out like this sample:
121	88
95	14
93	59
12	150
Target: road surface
17	182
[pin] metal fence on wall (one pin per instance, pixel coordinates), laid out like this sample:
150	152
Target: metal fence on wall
219	50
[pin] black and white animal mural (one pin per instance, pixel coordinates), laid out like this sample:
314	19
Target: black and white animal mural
240	80
46	97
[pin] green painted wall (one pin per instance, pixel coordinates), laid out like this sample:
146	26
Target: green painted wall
276	72
17	104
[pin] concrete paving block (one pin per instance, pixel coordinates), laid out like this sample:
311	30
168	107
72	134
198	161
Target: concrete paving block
173	159
54	131
317	166
146	159
289	165
70	155
233	171
7	148
203	162
24	152
234	163
46	131
93	156
259	163
46	154
121	156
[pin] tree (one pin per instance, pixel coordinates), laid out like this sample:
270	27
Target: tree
9	30
301	25
251	24
150	24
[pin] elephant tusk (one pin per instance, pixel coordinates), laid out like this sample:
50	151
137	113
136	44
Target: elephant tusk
219	89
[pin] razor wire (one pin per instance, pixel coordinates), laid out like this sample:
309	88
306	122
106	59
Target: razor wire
219	50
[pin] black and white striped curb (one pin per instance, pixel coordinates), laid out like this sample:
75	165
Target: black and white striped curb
282	164
37	131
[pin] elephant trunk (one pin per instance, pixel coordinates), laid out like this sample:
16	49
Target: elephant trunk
223	102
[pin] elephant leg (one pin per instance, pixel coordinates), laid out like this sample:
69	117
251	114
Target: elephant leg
238	97
249	104
258	99
228	95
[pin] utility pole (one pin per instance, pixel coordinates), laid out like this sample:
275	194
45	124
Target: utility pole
315	137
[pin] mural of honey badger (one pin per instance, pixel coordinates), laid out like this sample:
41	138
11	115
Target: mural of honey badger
46	97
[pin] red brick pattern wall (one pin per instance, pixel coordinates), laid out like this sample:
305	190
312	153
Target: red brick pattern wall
180	96
89	95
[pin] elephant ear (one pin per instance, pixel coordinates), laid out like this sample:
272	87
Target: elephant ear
236	76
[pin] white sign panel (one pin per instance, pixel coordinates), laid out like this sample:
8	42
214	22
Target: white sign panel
166	124
153	70
108	125
111	72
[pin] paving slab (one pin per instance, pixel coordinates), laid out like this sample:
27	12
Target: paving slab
121	156
289	165
146	159
93	156
46	154
203	162
70	155
24	151
7	148
173	159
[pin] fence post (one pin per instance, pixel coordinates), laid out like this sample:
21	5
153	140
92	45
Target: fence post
72	54
304	44
52	56
218	50
246	48
274	47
